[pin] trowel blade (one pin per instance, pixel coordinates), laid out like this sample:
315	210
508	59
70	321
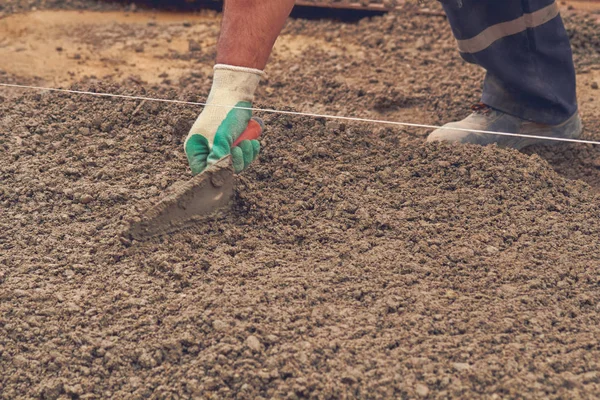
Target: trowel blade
185	203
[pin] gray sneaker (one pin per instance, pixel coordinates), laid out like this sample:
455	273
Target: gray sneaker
485	118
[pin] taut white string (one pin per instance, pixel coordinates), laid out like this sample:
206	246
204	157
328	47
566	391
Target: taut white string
297	113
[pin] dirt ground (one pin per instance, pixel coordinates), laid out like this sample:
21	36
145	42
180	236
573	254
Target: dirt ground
357	261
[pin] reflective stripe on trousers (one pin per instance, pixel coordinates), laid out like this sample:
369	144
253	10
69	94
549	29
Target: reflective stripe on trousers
525	50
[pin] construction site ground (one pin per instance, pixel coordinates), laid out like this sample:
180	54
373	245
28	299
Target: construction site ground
357	260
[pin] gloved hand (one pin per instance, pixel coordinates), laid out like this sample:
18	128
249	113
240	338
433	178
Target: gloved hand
219	125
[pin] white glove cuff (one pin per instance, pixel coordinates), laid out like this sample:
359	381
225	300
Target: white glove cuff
239	69
233	84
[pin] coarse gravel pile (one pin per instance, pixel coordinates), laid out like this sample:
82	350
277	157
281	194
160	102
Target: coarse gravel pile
356	262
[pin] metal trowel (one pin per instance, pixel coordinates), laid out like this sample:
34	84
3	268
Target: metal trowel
184	204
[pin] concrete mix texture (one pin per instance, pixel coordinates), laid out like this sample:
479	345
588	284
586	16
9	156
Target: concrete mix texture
357	261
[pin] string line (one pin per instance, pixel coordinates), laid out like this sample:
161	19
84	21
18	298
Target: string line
297	113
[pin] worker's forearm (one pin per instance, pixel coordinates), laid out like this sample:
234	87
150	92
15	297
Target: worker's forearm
249	31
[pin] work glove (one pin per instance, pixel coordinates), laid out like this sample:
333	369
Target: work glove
220	124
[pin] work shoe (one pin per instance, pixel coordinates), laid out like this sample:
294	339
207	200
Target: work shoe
486	118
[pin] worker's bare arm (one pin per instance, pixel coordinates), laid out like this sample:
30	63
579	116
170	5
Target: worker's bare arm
249	30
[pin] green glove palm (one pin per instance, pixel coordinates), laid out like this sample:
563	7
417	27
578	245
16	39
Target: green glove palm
201	154
224	119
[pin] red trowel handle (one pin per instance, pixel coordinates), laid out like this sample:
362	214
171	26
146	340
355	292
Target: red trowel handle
252	132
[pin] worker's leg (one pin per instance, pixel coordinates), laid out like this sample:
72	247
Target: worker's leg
525	50
248	32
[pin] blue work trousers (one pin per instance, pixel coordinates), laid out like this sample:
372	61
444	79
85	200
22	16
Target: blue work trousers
525	49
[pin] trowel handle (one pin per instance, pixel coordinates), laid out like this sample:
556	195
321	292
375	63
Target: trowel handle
252	132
